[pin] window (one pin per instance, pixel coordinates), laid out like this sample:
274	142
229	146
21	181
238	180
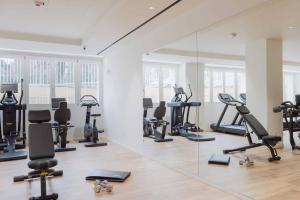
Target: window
218	80
39	81
151	74
159	80
10	72
217	85
64	80
169	80
207	97
49	76
89	79
230	83
241	83
288	86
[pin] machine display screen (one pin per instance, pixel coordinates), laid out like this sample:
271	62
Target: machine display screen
9	87
56	101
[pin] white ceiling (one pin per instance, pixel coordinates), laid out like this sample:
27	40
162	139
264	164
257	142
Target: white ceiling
65	26
269	20
59	18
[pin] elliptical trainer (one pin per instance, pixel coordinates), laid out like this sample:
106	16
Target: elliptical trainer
180	110
90	130
13	138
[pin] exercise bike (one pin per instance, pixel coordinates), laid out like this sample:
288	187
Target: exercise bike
62	116
150	125
90	130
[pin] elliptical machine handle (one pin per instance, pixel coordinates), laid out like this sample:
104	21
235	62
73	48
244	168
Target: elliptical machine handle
191	93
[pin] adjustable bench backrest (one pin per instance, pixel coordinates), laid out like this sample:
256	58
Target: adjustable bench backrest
160	111
254	124
40	135
63	114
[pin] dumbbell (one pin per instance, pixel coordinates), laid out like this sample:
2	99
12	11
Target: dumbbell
104	185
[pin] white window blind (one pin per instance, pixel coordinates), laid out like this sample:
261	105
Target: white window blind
159	80
218	80
65	80
10	72
90	79
39	81
151	77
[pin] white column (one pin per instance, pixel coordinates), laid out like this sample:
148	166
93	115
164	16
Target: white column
264	82
123	96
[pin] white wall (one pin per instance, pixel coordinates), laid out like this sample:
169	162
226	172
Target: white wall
123	94
123	86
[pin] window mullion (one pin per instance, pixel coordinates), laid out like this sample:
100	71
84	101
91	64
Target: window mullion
52	77
160	81
77	82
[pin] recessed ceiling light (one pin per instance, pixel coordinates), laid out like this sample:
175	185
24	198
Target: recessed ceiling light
292	27
151	8
234	34
40	3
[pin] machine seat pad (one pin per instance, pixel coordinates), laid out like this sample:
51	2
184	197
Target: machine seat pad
271	138
42	164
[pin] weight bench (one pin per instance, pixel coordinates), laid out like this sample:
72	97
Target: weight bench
262	134
41	152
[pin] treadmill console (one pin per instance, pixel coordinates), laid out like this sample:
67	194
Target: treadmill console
147	103
224	97
178	90
13	87
56	101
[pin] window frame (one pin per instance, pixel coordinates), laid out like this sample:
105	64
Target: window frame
160	66
223	70
24	58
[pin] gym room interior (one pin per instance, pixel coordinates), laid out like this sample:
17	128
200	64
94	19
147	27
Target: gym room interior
149	99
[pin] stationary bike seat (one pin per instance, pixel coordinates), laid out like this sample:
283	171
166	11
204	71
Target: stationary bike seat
95	115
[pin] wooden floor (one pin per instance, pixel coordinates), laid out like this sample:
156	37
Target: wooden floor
264	180
175	170
149	180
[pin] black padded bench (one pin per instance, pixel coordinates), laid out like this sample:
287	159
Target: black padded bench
262	134
41	152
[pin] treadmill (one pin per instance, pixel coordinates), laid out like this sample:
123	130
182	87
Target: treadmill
236	127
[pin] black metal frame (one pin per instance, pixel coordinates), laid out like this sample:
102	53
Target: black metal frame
291	128
150	130
10	142
43	175
273	151
229	128
290	112
93	139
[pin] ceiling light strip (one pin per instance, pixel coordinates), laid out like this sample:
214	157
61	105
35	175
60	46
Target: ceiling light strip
138	27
